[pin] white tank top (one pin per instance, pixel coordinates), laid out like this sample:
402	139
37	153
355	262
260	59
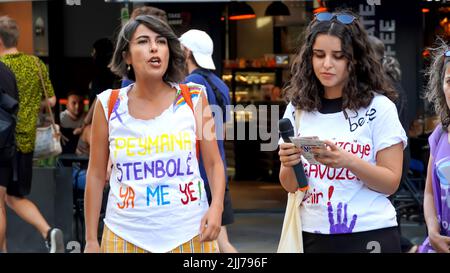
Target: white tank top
157	198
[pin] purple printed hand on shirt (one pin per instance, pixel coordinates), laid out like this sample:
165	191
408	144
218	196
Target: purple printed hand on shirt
340	226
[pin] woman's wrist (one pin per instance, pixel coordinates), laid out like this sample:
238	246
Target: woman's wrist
217	205
91	239
349	160
433	232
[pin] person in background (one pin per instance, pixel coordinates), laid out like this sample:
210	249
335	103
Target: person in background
339	93
31	93
8	85
436	204
72	121
391	67
198	49
103	78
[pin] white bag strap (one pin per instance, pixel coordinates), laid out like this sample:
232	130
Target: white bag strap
298	116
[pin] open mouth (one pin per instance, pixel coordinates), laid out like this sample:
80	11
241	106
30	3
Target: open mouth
155	61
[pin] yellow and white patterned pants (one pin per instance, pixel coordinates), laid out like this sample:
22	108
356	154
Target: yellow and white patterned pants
111	243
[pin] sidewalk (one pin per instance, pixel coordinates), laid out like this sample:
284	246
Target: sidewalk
259	210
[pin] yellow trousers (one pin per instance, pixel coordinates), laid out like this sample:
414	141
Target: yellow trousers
111	243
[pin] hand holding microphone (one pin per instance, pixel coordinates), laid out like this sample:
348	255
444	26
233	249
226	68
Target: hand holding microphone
290	154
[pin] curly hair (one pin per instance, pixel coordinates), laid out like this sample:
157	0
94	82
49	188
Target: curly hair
392	68
175	70
435	74
304	89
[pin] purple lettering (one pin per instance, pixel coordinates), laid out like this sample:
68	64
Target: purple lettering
188	163
149	169
127	165
169	173
137	170
121	172
160	172
179	172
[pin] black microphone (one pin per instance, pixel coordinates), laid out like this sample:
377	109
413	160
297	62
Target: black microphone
286	131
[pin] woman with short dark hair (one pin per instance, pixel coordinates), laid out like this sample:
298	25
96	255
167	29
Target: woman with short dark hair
157	201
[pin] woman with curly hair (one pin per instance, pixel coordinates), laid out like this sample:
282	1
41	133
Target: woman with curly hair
338	93
437	190
157	201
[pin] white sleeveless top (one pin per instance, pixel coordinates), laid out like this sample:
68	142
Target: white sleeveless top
157	198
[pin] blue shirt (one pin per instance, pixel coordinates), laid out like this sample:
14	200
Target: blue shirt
218	120
126	82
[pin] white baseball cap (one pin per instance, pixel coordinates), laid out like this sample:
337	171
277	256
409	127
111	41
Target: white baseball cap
201	46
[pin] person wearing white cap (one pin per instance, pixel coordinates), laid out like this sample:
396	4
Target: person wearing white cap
198	48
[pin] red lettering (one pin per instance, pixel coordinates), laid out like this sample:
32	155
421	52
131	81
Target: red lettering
318	196
367	150
306	168
184	202
322	174
191	191
315	197
339	176
187	191
345	146
357	148
349	175
328	173
313	169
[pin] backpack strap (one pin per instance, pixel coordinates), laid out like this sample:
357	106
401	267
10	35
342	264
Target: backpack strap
218	95
187	97
112	101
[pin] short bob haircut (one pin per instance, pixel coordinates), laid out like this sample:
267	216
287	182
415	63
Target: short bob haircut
175	70
435	74
366	74
9	32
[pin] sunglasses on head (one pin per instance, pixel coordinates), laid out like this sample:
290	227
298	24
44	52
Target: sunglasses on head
343	18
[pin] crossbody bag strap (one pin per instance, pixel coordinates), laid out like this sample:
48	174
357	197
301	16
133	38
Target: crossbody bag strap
47	103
